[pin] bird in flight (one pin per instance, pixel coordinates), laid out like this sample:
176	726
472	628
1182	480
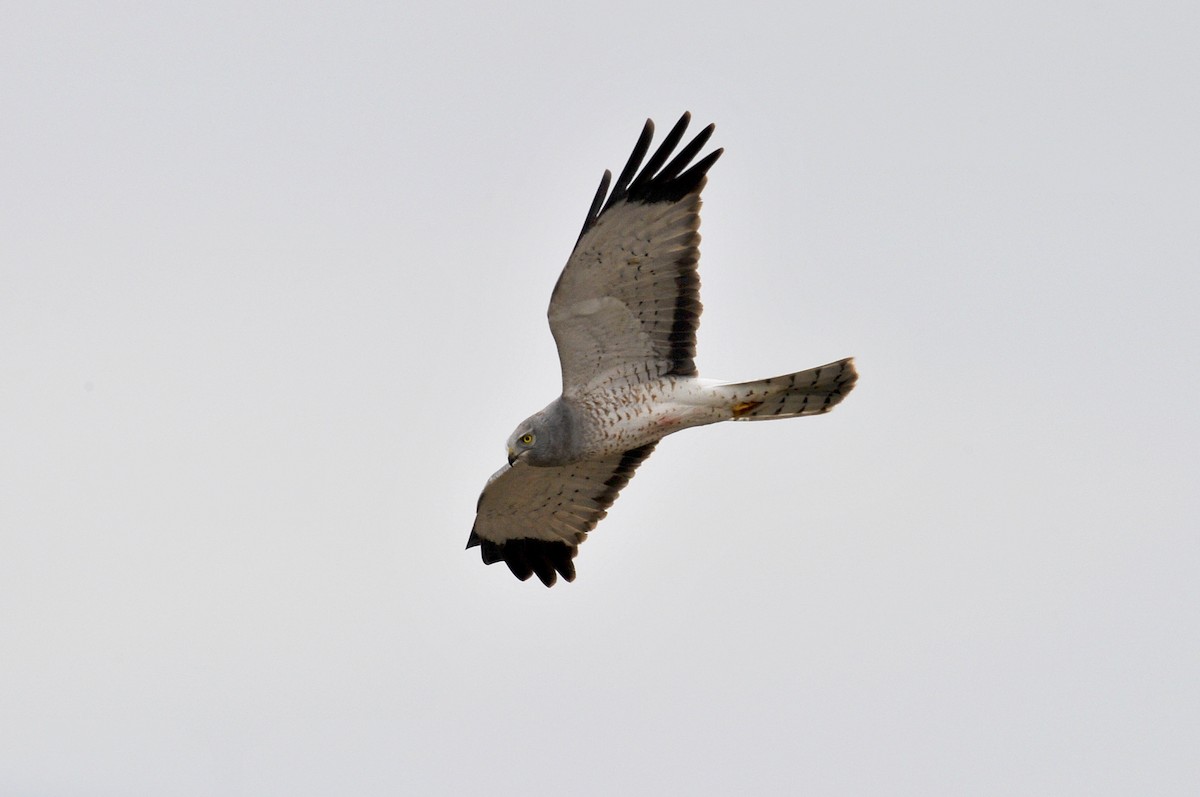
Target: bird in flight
624	315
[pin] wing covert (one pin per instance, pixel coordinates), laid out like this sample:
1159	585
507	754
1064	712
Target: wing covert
534	519
627	304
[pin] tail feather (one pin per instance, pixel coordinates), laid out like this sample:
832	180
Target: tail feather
811	392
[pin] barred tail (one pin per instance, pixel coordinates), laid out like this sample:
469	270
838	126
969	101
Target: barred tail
810	392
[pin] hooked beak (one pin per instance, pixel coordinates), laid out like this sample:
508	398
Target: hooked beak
512	457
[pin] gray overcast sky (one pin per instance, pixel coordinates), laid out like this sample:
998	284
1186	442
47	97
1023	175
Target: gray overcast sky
272	294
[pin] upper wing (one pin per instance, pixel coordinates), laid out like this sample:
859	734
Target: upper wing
628	301
533	519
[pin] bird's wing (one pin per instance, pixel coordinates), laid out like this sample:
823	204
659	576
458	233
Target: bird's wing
627	304
533	519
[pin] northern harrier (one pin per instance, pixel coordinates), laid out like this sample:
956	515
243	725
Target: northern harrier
624	315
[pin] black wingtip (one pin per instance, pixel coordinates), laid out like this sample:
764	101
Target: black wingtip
597	203
526	557
660	155
656	182
635	160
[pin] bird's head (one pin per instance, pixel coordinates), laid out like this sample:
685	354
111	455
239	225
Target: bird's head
546	438
523	440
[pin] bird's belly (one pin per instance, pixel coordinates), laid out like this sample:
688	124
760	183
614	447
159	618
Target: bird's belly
634	415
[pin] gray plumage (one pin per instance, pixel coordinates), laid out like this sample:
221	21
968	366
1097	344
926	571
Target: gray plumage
624	315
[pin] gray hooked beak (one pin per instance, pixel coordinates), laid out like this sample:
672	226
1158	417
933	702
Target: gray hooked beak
512	457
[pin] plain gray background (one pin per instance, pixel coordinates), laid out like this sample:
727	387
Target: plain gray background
273	284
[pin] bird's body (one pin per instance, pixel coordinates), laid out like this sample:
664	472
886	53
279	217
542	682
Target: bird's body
624	315
626	416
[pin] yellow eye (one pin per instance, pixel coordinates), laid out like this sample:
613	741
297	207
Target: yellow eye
527	439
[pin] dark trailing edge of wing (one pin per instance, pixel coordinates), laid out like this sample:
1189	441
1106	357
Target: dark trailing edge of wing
526	556
655	183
